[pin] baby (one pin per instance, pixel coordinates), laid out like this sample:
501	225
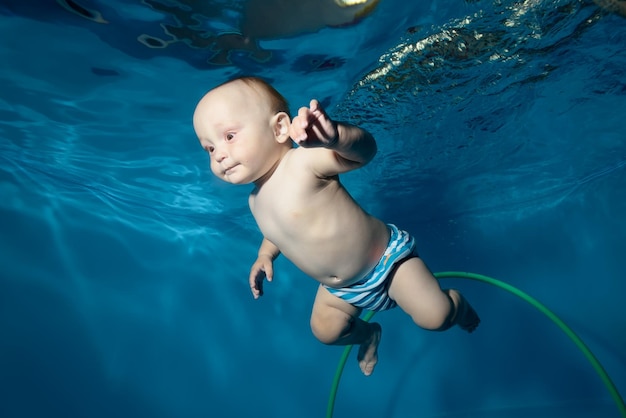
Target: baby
305	213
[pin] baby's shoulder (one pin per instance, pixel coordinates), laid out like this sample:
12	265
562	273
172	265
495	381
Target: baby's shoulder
295	173
295	162
304	160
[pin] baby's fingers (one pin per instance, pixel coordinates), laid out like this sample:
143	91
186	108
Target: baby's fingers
316	108
268	269
260	270
306	115
256	282
297	130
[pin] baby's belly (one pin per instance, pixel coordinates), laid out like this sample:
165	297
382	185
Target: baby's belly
341	282
343	260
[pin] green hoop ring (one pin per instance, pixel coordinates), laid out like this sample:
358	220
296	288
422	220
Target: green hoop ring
525	297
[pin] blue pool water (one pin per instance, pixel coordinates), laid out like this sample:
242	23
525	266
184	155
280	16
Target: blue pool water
123	291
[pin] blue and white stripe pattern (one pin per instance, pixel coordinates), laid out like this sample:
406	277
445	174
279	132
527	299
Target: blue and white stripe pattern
371	292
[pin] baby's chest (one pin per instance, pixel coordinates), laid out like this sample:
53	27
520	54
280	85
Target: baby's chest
284	206
288	206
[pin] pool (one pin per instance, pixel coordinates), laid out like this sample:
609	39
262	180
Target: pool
502	148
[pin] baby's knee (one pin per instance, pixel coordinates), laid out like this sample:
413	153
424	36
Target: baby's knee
328	331
440	319
437	321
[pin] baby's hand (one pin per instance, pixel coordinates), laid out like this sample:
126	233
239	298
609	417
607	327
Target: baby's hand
313	128
262	268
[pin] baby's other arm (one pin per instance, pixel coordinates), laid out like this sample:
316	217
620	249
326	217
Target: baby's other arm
351	146
263	267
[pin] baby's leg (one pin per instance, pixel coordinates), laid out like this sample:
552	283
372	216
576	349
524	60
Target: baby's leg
334	321
417	292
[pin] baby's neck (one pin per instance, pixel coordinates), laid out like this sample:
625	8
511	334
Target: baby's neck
265	177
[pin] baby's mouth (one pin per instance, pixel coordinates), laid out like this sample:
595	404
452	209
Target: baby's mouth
227	170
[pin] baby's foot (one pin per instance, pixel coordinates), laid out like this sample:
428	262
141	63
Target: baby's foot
466	316
368	351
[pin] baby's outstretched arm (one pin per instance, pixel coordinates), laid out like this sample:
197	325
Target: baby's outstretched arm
313	128
263	267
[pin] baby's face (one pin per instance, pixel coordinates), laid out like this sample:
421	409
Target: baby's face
234	126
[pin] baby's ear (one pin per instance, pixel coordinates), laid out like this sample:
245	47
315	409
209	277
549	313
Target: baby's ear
281	123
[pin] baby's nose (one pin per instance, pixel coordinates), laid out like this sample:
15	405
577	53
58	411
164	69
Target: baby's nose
220	155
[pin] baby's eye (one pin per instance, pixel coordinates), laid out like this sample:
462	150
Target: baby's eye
229	136
209	149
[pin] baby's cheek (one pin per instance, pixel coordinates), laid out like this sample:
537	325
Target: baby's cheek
215	169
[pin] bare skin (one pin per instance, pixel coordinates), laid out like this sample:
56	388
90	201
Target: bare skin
305	213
